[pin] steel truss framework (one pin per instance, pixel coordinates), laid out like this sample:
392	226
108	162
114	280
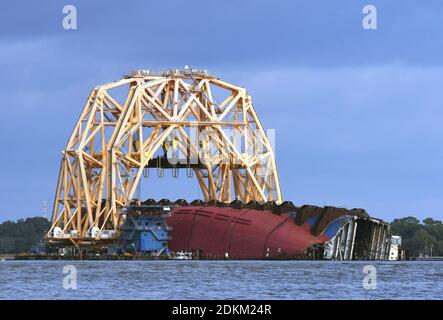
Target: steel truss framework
201	121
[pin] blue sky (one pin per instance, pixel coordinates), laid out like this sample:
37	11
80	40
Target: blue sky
358	113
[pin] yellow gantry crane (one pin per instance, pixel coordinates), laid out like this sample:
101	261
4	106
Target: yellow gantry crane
173	119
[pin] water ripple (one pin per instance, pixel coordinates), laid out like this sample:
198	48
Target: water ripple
220	280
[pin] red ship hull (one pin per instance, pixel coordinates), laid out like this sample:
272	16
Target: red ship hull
220	232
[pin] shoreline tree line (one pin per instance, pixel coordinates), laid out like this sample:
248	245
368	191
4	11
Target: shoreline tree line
419	238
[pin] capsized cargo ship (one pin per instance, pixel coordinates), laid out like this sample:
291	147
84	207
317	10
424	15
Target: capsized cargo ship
216	230
191	120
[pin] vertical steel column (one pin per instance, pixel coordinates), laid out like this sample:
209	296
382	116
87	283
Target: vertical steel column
354	232
337	246
334	247
382	244
372	241
343	241
377	243
349	237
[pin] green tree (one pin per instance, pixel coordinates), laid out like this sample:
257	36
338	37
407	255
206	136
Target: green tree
406	227
418	238
16	237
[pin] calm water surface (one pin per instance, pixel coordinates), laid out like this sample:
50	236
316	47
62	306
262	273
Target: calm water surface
220	280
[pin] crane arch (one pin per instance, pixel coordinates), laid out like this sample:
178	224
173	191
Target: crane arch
174	119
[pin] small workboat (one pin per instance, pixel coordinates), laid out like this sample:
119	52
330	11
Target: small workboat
181	255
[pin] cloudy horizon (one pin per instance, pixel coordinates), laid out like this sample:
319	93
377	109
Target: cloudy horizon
357	112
